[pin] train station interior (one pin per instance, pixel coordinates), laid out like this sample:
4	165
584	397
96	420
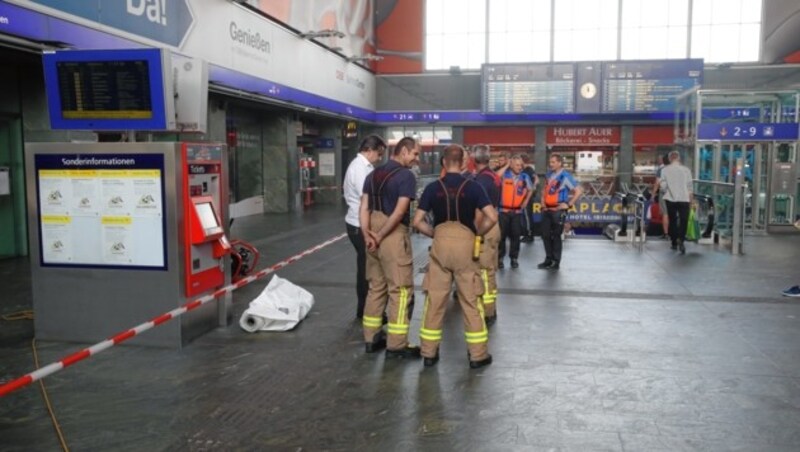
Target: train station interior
161	162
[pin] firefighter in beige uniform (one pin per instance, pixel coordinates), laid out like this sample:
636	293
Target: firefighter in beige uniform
490	182
384	217
453	200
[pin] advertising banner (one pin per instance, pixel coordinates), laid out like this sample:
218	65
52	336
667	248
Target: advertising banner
583	136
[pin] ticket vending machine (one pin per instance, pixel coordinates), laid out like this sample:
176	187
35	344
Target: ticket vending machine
123	232
203	197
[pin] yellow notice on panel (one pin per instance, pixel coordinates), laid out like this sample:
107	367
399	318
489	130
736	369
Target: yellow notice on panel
56	219
117	221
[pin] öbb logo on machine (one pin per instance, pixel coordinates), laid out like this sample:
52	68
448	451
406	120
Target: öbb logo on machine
155	10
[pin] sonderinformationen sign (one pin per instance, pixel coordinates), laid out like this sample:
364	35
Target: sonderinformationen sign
101	210
747	131
647	86
528	88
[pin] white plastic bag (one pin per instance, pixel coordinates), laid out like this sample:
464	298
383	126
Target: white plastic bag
279	307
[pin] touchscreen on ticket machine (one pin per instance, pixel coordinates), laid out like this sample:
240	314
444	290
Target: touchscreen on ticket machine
208	246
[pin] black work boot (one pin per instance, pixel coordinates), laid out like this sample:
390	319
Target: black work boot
553	265
490	320
429	362
482	363
404	353
546	264
378	343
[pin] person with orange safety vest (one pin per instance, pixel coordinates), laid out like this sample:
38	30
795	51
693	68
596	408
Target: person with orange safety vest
560	192
516	189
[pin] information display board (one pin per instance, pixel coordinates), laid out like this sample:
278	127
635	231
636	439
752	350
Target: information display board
613	87
528	88
128	89
101	210
647	86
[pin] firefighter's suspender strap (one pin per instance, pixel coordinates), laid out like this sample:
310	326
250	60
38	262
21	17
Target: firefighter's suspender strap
377	204
447	198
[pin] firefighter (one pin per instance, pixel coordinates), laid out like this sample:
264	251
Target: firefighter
490	182
384	217
453	201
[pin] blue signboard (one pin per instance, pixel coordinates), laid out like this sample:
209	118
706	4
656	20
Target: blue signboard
166	21
748	131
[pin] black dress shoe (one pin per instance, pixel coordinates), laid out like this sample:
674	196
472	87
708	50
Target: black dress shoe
682	247
514	263
553	265
482	363
378	343
428	362
545	264
404	353
490	320
526	239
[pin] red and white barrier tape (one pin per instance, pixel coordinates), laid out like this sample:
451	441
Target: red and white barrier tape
125	335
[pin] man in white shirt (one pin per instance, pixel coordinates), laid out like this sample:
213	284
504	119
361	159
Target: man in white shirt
371	151
676	187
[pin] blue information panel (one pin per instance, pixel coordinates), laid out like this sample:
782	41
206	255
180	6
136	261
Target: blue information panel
748	131
101	210
648	86
528	88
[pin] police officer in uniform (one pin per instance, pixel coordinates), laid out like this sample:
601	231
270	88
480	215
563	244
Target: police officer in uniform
490	181
384	216
453	200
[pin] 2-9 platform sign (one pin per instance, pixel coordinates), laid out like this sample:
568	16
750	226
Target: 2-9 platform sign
748	131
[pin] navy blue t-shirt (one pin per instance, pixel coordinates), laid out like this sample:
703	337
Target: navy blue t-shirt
397	182
472	197
490	182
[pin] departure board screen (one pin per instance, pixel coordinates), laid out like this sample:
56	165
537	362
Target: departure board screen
110	89
105	89
648	86
528	88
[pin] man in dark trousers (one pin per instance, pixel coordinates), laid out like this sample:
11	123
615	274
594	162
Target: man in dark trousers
384	216
527	218
560	192
453	200
515	191
370	152
676	187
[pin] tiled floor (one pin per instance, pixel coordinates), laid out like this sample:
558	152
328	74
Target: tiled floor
622	349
